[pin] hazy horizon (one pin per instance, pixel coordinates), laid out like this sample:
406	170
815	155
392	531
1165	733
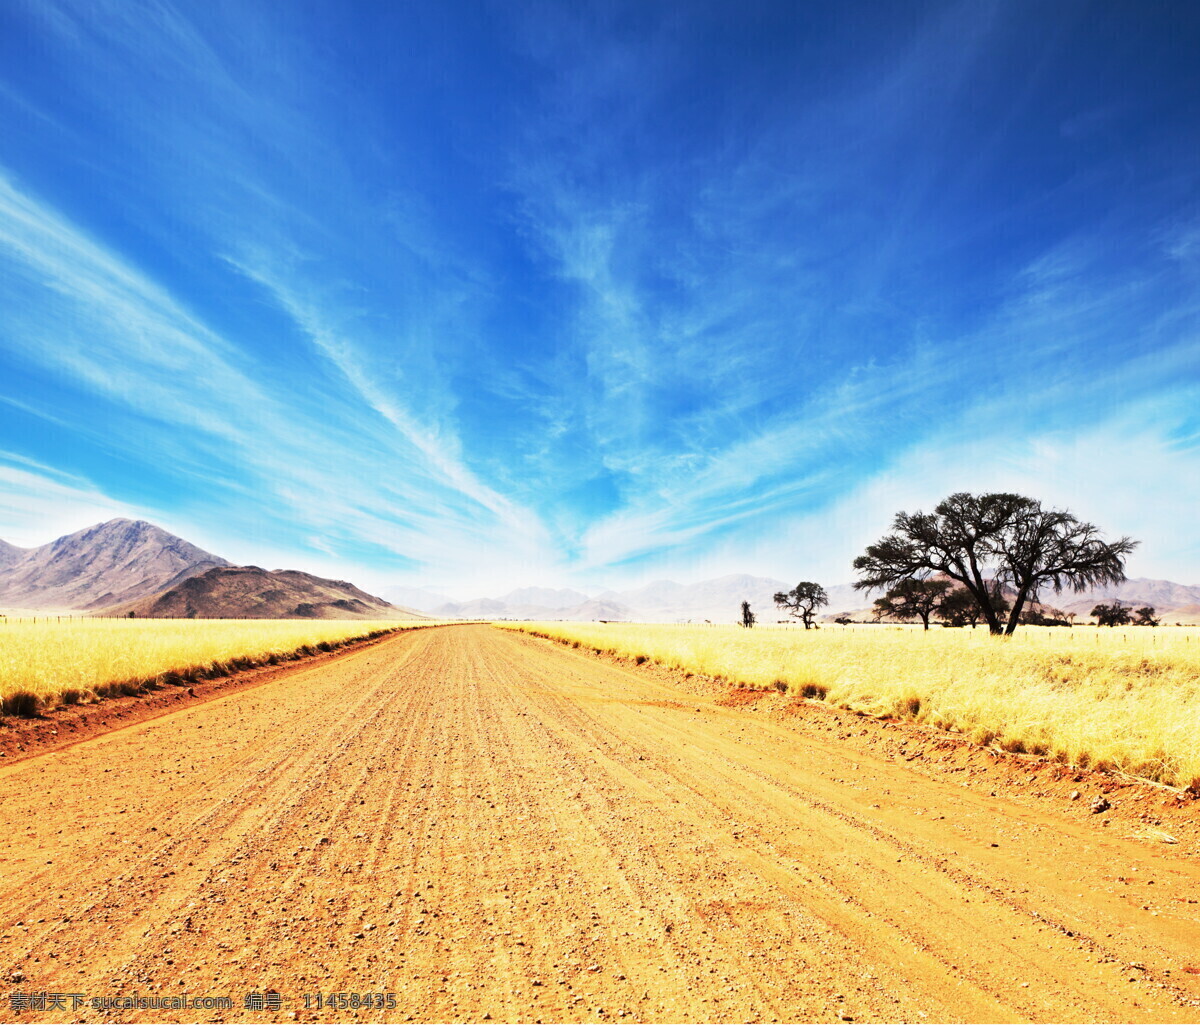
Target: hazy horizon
473	296
429	598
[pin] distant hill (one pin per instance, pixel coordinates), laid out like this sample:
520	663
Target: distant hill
478	608
1188	615
118	561
248	592
545	597
498	608
414	597
719	600
1164	595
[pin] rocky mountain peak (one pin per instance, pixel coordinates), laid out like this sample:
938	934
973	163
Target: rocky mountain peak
116	561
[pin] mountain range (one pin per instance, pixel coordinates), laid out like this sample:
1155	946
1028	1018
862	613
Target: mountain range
131	567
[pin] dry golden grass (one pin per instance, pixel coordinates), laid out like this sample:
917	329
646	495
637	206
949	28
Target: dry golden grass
1129	699
50	661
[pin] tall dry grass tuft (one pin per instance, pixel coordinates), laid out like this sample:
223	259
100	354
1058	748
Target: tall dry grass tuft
23	704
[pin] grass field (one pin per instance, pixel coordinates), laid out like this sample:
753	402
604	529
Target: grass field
51	661
1129	699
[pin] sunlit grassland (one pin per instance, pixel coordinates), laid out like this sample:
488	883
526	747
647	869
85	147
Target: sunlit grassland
79	660
1127	699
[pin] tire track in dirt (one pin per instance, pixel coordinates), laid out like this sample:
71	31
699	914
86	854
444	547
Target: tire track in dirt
486	824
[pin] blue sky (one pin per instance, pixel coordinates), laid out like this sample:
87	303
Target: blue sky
475	295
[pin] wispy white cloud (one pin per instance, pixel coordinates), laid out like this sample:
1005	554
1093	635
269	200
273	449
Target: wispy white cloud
440	452
121	338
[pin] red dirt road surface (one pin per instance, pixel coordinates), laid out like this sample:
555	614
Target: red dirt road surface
488	825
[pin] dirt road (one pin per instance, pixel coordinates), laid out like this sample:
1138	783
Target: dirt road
486	824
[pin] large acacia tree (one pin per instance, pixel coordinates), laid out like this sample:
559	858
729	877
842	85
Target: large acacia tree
978	540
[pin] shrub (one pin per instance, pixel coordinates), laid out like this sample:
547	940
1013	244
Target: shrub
23	704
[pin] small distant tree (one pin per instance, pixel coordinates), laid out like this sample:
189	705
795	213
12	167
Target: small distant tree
802	601
912	599
1145	616
747	615
1116	614
959	608
1044	616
